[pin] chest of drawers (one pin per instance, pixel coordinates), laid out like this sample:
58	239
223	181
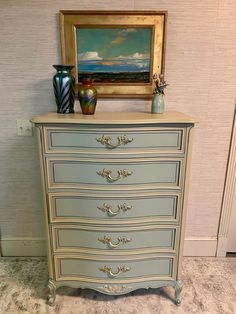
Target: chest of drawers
115	195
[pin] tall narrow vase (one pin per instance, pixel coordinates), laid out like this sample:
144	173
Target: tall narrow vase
158	104
87	95
64	83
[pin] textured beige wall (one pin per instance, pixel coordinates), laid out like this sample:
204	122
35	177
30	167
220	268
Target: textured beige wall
201	70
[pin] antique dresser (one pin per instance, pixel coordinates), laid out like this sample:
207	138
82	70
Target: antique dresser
115	195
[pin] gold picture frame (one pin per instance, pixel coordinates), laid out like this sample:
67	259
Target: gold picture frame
119	50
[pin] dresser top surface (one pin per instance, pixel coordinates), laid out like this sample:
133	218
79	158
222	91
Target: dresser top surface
114	117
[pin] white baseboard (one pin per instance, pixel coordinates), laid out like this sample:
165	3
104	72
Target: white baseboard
23	247
222	246
37	247
200	246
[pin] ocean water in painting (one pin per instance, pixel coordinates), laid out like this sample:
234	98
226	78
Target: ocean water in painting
113	66
114	54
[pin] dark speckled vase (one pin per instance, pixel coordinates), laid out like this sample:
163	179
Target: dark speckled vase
87	95
63	84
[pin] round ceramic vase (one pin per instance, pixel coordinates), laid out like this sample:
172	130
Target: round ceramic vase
87	95
158	104
63	84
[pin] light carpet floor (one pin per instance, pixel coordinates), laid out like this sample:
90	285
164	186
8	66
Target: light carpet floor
209	286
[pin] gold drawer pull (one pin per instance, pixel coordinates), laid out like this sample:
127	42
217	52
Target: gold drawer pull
120	269
108	208
107	141
106	173
108	240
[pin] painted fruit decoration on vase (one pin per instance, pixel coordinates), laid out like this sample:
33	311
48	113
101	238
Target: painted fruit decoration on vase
63	84
87	95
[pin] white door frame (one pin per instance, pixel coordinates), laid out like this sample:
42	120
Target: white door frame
228	196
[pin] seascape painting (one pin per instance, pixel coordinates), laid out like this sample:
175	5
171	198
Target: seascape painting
114	55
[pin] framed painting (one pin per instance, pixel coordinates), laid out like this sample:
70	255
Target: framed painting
119	50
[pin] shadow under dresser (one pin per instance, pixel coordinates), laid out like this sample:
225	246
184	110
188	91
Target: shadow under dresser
115	196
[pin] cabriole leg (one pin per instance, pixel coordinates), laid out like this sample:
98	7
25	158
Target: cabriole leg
51	295
178	288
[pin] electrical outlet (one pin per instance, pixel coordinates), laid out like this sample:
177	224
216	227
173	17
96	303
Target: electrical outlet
24	128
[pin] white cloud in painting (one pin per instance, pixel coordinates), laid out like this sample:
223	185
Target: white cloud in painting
89	55
127	30
141	65
118	40
140	56
122	36
135	56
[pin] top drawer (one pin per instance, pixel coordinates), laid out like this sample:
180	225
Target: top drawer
162	140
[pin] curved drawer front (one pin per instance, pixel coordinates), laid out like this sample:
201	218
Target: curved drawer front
109	270
77	238
65	140
76	173
72	207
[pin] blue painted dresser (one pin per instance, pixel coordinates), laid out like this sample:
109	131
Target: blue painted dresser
115	195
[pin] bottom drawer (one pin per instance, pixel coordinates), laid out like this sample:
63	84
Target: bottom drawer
107	270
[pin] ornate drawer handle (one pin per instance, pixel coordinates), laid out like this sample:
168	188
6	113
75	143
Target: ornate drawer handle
108	240
108	208
107	141
120	269
106	173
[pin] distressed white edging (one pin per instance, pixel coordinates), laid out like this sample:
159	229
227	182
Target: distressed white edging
23	247
200	246
228	196
37	247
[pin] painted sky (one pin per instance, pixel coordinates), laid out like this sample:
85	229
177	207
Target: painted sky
114	49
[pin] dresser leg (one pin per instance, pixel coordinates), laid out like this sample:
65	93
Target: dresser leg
178	288
51	295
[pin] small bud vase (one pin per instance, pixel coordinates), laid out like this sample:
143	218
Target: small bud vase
158	104
87	95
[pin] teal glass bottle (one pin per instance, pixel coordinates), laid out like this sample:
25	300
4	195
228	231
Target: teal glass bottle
63	84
